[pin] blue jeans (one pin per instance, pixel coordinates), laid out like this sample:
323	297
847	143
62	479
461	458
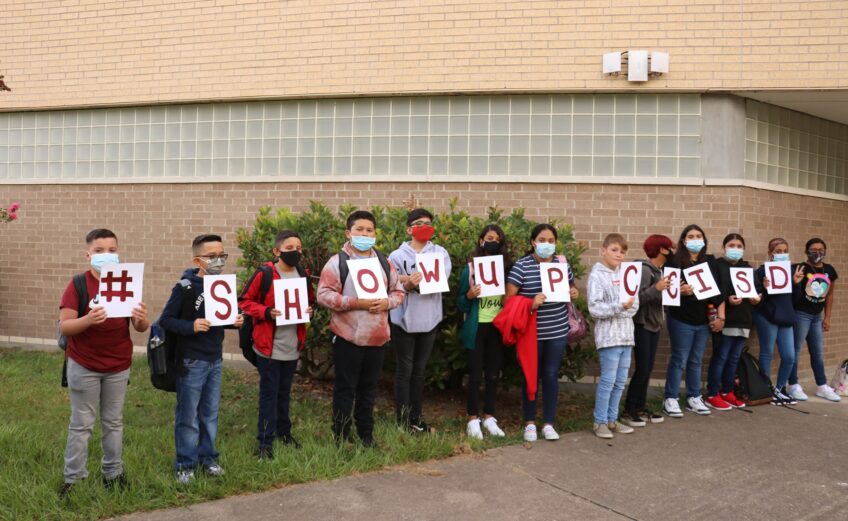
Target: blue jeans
688	343
550	360
809	327
615	361
768	334
722	372
275	382
196	419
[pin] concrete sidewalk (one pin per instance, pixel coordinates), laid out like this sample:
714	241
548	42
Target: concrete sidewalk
767	465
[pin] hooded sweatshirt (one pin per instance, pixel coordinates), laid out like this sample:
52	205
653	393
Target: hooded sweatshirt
650	314
358	326
205	346
613	323
418	313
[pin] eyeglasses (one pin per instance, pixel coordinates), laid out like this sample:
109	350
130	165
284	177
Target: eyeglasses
223	256
416	224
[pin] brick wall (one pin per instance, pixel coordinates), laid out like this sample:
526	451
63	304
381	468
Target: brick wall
155	224
89	52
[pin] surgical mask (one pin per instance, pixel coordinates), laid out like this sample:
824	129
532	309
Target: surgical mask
780	257
423	233
545	249
291	258
362	242
98	260
215	266
695	245
491	247
734	254
815	256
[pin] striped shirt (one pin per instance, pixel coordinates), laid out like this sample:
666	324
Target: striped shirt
552	317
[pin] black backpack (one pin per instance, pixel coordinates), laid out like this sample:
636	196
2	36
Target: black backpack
61	340
752	385
246	329
164	349
344	271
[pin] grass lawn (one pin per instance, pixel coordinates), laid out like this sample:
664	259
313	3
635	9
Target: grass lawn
35	412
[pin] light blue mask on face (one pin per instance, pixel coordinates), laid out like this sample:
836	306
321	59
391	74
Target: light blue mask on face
695	245
363	243
734	254
98	260
545	249
780	257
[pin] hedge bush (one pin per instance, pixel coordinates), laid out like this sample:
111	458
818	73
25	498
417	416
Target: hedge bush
322	233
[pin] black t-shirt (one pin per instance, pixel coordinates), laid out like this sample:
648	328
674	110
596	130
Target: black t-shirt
691	310
811	292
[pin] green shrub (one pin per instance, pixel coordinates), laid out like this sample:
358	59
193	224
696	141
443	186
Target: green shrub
322	233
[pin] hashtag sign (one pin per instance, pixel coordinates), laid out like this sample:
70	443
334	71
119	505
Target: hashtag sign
123	294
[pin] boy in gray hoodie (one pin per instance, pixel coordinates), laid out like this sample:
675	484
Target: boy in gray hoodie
415	322
613	334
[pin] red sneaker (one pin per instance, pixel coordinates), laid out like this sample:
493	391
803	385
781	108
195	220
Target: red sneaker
718	403
733	400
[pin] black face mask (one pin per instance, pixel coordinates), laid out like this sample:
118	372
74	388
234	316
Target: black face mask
491	247
291	258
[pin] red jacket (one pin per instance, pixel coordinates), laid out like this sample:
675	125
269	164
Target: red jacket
517	324
263	323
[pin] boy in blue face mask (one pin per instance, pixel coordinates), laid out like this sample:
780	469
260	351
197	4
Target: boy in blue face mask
361	329
99	355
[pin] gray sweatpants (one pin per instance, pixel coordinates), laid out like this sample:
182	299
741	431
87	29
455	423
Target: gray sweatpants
89	391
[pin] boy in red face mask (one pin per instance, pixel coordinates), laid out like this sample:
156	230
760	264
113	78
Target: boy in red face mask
416	321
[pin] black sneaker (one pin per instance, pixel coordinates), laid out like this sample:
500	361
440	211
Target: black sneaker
265	453
120	482
65	491
290	441
633	419
651	416
788	398
420	427
778	398
369	443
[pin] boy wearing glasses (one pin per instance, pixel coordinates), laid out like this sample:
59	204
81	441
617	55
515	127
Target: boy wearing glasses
415	322
199	383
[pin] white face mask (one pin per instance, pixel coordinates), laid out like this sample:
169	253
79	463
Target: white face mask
98	260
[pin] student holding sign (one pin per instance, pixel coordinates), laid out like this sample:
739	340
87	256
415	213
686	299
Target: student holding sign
278	347
812	295
419	264
360	321
775	316
99	355
613	314
551	325
688	324
736	278
201	346
482	339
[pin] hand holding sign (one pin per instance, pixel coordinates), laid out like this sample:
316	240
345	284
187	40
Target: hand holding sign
671	296
431	268
290	298
743	282
120	288
779	277
555	281
367	276
489	274
701	279
631	279
221	301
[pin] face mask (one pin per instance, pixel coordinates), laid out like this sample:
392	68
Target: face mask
695	245
545	249
423	233
291	258
491	247
363	243
98	260
780	257
215	266
815	257
734	254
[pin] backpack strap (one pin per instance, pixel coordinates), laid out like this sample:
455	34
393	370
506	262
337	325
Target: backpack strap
81	288
344	271
265	282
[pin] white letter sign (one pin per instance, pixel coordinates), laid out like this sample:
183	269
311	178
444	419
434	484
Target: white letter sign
631	279
671	296
367	275
291	299
489	274
700	279
554	277
120	288
220	299
743	282
780	277
431	266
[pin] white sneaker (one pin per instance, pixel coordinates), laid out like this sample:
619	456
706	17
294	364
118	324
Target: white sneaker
697	406
797	392
530	433
184	477
473	429
825	391
491	425
672	408
550	433
213	470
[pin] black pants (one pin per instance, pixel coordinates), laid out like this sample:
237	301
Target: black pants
644	354
357	373
275	382
412	351
485	359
